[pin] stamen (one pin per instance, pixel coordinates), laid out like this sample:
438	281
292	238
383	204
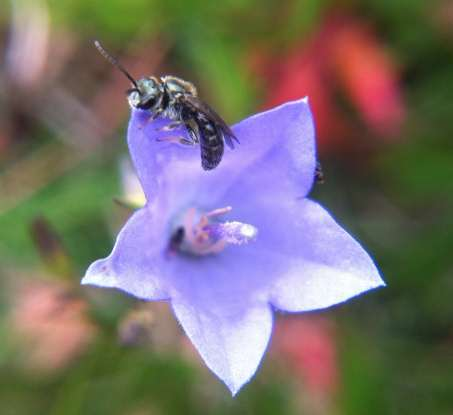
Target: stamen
218	212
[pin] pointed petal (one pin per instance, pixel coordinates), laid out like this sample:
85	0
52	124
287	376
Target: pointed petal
231	341
280	140
221	301
326	266
134	265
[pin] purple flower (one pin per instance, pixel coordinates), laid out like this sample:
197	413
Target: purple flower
227	246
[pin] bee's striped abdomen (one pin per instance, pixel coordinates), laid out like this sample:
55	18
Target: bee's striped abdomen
211	143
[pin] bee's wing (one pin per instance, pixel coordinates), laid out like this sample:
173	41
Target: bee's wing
205	109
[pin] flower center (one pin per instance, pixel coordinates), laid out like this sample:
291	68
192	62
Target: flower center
203	234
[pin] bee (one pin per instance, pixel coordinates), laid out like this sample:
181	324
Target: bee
176	99
319	173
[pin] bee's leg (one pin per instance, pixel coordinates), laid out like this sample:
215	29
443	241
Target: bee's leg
169	127
193	134
155	114
152	117
176	139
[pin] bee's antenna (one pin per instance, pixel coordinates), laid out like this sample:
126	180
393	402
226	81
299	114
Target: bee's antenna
114	62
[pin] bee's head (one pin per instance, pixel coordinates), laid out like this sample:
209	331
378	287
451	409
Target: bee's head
146	94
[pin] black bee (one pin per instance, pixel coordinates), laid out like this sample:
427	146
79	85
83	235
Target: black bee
178	100
319	173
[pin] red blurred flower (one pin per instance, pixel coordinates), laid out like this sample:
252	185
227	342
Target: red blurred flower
52	323
306	345
344	56
368	76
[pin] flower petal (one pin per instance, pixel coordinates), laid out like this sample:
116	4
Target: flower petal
232	342
222	303
326	266
280	141
134	264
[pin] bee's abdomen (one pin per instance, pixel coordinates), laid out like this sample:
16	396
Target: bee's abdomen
211	155
211	144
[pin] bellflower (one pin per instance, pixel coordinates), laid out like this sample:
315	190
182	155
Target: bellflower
227	246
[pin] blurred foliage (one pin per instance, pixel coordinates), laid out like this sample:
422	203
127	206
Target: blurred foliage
395	345
75	204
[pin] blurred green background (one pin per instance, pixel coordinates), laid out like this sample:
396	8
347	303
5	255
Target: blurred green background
379	75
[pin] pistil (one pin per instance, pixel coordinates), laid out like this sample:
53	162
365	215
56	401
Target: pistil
204	234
